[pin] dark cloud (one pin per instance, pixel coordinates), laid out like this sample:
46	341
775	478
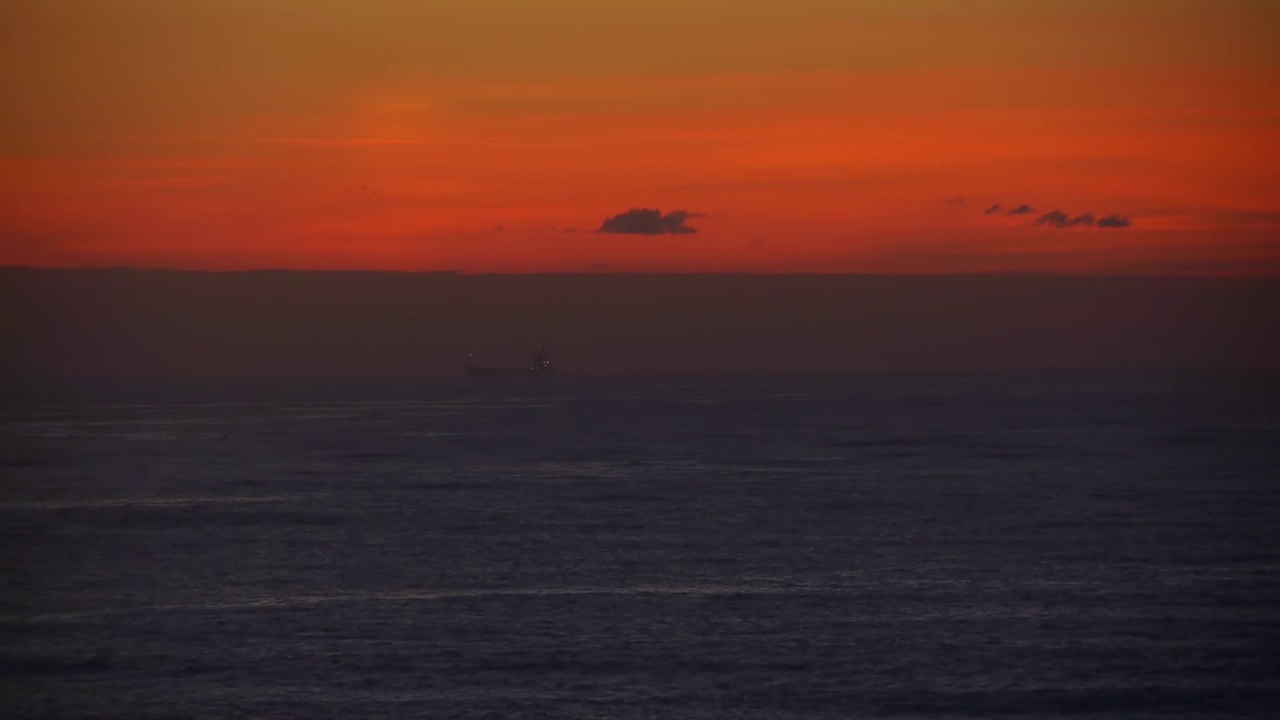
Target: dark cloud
1114	221
646	221
993	209
1022	210
957	200
1059	219
1055	218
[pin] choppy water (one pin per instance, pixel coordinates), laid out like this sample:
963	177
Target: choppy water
825	548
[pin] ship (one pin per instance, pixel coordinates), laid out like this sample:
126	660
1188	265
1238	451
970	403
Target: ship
539	366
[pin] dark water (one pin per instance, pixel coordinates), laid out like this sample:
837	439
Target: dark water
826	548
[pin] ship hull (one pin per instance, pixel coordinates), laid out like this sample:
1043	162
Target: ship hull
479	371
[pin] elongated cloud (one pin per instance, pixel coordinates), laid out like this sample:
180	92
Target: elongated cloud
993	209
1022	210
1059	219
1114	221
647	221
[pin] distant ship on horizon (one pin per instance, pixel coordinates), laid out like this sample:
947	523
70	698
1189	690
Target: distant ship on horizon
539	366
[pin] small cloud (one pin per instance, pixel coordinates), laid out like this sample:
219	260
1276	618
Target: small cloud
756	242
570	230
1022	210
1059	219
498	228
646	221
993	209
1056	218
957	200
1114	221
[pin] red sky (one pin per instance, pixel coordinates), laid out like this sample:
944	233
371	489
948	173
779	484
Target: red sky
809	135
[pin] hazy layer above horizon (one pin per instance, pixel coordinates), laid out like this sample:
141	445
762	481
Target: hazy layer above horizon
72	324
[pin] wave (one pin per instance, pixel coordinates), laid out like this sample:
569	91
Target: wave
147	502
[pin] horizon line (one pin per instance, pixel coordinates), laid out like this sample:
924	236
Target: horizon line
640	273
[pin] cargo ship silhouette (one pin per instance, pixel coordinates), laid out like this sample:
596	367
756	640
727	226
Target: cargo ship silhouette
539	366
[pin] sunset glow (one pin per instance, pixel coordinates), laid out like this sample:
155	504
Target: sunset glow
498	136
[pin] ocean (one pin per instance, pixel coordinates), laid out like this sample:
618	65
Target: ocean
906	546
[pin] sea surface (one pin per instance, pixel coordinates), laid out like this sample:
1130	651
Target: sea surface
1036	546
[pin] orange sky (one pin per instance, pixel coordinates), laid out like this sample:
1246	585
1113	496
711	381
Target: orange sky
497	135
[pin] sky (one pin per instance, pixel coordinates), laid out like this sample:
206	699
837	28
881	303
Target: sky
156	325
586	136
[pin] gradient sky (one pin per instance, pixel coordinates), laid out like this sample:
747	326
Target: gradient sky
498	135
